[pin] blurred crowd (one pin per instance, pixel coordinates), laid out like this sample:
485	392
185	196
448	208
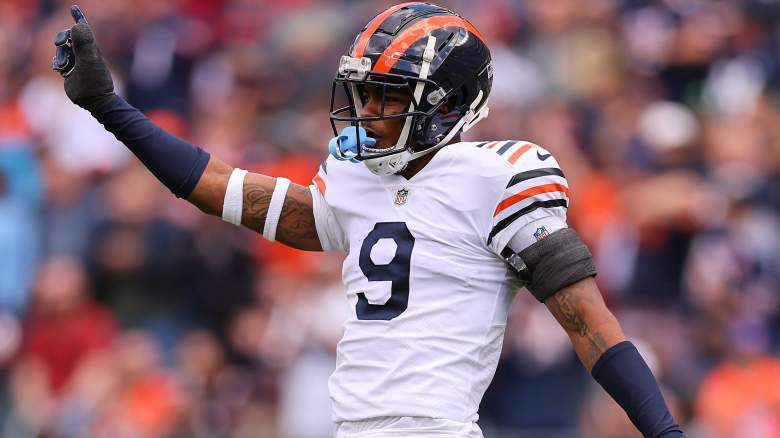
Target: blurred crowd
125	312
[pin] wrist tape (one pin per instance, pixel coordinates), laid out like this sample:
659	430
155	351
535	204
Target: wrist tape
233	205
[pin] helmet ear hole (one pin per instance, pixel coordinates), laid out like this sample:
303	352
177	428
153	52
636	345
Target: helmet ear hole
463	103
448	106
454	102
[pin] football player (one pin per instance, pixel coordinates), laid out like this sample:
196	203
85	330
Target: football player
438	233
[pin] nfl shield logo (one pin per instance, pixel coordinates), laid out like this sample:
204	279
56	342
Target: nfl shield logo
541	233
400	196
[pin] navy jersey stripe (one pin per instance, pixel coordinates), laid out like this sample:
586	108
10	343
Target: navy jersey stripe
506	147
536	173
482	144
501	225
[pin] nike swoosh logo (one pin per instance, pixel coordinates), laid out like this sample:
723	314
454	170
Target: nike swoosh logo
543	157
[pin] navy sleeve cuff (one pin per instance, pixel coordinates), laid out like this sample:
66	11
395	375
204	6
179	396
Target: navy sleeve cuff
623	373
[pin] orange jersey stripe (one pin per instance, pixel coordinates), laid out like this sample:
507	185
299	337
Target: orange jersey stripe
320	183
371	28
414	33
518	153
493	144
528	193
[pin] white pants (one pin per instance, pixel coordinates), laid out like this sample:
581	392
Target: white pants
400	427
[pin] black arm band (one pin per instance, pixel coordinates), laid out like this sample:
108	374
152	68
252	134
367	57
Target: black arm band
175	162
625	376
555	262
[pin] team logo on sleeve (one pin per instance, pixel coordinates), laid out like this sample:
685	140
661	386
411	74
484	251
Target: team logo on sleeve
401	197
541	233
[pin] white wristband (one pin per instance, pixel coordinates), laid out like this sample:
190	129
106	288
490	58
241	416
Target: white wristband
234	197
275	208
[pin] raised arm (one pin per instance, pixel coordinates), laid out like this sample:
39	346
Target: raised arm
188	171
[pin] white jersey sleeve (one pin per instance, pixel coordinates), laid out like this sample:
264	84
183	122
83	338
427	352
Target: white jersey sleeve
330	232
532	203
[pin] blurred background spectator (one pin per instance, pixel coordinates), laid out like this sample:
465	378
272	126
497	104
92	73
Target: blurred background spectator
125	312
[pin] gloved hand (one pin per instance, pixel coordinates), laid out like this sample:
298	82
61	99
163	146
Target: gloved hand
346	145
88	83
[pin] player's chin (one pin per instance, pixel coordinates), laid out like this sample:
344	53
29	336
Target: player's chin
384	142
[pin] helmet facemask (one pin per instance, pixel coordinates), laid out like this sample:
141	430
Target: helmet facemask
346	105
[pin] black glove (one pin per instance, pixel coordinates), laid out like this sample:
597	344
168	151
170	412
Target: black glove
87	80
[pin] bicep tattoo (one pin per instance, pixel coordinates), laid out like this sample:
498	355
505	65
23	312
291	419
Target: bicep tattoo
581	311
257	196
296	225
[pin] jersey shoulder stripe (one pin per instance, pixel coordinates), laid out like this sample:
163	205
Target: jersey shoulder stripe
519	152
506	222
529	193
535	173
320	176
511	150
535	187
508	145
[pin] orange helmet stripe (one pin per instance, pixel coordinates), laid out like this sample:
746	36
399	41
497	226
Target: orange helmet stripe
366	35
414	33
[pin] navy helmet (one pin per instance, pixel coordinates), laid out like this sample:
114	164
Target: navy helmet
432	54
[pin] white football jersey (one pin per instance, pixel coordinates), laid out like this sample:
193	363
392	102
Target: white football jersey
426	284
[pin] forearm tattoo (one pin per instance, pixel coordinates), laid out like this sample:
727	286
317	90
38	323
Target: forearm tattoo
296	225
569	306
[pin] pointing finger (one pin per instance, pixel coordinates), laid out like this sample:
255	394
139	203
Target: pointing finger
77	15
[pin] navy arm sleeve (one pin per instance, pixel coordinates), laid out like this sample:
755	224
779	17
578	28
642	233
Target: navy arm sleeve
623	373
175	162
